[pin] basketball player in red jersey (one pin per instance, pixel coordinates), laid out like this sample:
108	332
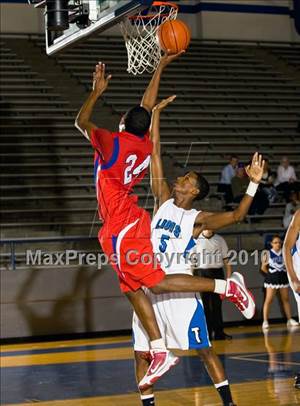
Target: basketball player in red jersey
121	161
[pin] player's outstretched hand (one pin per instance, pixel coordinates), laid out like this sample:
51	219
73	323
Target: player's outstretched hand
256	169
160	106
168	58
100	80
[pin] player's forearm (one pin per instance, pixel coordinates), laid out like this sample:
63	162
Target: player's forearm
84	115
159	186
150	95
241	211
236	216
155	132
156	175
156	162
215	221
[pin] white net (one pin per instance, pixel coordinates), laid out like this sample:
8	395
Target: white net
139	32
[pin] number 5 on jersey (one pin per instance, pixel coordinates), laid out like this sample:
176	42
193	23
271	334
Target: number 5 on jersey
163	242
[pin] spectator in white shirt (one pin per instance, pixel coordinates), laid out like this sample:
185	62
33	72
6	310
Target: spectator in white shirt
212	256
228	172
286	178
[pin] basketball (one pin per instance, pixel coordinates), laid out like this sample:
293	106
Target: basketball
174	36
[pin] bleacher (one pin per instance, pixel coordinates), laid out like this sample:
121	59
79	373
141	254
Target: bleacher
39	180
227	102
289	54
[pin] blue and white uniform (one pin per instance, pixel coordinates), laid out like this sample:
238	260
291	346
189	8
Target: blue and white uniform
276	277
180	316
296	265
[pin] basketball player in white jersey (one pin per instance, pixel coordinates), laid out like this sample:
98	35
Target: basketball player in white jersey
175	225
291	253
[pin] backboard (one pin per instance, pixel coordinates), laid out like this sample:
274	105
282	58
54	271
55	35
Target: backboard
70	21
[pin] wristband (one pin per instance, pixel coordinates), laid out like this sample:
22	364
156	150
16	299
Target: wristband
252	188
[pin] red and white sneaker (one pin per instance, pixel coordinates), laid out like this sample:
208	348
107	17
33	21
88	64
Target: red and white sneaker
237	293
161	362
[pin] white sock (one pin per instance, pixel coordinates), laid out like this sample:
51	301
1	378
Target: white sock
143	397
158	344
220	286
218	385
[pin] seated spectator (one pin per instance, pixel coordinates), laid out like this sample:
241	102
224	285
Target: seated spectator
239	183
290	209
227	174
239	186
286	179
267	183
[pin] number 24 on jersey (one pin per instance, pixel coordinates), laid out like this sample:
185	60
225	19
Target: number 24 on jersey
130	171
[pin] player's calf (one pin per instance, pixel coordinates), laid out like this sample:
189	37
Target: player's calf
216	372
142	361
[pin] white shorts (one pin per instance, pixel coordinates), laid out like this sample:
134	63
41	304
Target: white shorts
181	320
296	263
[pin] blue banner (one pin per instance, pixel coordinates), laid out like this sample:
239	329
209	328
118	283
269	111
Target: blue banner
229	8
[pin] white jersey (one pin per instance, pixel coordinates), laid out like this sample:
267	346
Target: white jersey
172	237
296	256
180	316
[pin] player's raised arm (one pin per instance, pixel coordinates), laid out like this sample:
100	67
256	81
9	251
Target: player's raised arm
214	221
100	83
159	185
289	242
150	95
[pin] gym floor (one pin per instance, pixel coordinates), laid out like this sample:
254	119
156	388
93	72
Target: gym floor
91	372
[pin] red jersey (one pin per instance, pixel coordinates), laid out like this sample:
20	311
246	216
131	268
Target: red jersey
117	173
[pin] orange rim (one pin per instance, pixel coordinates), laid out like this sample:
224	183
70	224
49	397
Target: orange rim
156	4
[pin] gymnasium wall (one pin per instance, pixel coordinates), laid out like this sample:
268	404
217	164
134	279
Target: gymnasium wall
255	20
20	18
47	302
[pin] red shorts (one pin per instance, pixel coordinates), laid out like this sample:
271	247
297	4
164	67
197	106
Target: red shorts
131	253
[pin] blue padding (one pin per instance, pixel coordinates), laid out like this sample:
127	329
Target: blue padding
198	334
297	15
114	156
294	250
190	245
224	7
234	8
114	243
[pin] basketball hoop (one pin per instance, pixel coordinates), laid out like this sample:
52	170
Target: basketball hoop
139	32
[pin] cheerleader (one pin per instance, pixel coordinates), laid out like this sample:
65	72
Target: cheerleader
276	279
